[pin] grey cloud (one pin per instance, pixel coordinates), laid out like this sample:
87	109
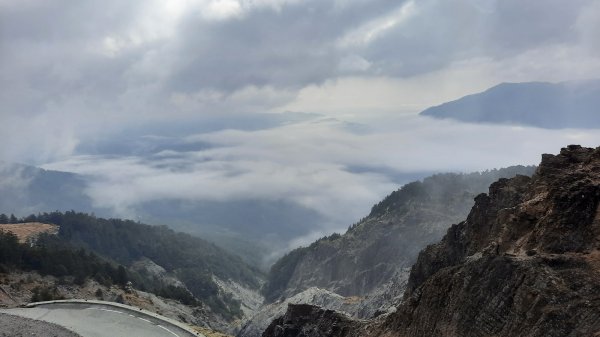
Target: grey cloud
517	26
292	47
58	56
53	46
13	178
63	20
441	32
75	72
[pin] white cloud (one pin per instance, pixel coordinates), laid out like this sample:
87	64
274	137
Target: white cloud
365	34
74	74
312	163
222	9
13	179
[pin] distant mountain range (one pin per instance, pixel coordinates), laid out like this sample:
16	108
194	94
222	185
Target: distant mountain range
244	226
251	228
545	105
27	189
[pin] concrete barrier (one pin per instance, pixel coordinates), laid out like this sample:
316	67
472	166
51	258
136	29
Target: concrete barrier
129	308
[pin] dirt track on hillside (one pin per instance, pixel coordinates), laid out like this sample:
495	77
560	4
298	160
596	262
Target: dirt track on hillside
29	229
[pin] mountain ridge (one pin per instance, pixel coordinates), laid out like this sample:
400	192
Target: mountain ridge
539	104
378	247
525	262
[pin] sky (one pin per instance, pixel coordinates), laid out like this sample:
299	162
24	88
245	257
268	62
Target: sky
313	102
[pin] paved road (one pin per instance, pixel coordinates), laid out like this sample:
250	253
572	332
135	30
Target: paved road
93	320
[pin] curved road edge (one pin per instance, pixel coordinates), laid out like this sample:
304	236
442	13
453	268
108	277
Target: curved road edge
167	320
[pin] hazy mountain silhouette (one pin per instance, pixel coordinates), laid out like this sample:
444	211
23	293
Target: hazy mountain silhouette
251	228
546	105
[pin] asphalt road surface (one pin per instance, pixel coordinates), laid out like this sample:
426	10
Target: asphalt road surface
91	320
15	326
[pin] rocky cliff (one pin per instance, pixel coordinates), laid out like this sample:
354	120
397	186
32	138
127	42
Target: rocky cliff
303	320
386	243
315	296
525	262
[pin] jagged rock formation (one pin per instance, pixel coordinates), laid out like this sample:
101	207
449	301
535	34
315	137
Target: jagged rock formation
315	296
383	245
526	262
303	320
380	302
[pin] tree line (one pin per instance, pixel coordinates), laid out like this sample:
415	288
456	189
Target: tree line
48	258
122	242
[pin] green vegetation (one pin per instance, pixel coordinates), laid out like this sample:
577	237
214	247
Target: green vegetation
178	293
123	242
48	258
45	294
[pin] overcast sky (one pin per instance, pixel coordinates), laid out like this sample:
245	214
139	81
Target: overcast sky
94	86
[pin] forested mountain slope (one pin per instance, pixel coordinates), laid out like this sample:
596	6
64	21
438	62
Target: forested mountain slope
200	266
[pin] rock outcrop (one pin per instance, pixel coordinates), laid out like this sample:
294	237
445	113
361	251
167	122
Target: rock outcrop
303	320
525	262
314	296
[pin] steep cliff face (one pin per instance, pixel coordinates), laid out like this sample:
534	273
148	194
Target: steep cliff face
386	243
525	262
